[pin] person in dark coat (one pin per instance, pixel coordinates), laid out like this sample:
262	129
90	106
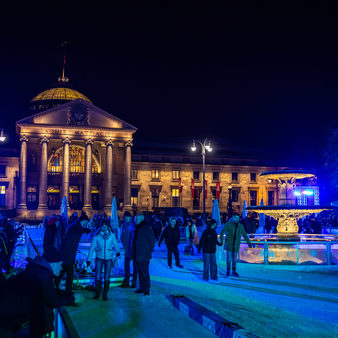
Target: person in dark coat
50	237
157	226
69	248
171	235
127	234
142	248
208	244
250	224
31	296
73	218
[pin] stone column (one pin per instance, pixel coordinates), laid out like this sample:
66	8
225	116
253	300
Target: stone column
43	174
88	177
127	176
23	173
109	175
65	170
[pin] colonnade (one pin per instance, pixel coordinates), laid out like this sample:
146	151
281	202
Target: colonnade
108	181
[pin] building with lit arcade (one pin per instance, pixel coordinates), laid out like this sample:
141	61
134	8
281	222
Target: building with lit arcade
70	147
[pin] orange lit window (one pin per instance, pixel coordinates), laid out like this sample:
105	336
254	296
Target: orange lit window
76	161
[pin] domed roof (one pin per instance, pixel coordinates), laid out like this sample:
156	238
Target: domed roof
66	94
59	94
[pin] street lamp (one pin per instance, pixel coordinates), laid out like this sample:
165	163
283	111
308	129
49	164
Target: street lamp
2	136
230	211
206	145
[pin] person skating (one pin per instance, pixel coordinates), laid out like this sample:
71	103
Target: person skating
171	236
127	234
31	296
233	230
69	248
102	244
191	235
142	248
208	244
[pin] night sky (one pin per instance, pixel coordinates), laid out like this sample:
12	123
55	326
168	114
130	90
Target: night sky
252	77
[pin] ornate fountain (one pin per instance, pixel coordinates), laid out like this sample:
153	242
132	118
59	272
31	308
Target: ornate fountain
287	212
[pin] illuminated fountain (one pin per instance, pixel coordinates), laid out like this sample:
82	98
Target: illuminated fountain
287	212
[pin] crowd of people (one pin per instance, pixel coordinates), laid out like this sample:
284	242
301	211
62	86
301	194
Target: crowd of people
31	295
9	234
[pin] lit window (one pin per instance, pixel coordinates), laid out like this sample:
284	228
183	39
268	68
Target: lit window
155	174
2	195
175	197
134	197
176	174
76	161
174	192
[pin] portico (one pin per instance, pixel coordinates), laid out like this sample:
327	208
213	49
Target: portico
81	152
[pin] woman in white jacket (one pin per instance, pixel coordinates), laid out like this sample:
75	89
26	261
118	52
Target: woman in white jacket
103	243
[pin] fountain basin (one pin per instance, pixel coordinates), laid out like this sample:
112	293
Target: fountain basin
287	216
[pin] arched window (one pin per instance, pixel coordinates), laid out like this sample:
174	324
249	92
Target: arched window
76	161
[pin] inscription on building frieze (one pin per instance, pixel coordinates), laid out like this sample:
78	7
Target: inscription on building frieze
55	131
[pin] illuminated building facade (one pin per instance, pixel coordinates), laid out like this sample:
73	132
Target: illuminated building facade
73	149
69	147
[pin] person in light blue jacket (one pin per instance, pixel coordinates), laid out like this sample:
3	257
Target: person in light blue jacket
103	244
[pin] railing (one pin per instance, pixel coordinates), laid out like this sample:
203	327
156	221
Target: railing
290	253
302	237
312	249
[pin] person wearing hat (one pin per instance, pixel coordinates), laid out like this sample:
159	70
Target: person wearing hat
127	234
103	243
31	296
69	247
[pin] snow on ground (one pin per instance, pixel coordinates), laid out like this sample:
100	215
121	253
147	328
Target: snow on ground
270	301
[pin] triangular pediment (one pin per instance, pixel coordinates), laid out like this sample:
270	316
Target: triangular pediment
77	113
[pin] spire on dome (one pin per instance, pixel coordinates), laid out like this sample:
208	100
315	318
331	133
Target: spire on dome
63	78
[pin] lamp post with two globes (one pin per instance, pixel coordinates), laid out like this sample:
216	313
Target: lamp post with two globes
206	145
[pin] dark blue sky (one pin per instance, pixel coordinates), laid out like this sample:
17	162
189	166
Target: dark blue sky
261	76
